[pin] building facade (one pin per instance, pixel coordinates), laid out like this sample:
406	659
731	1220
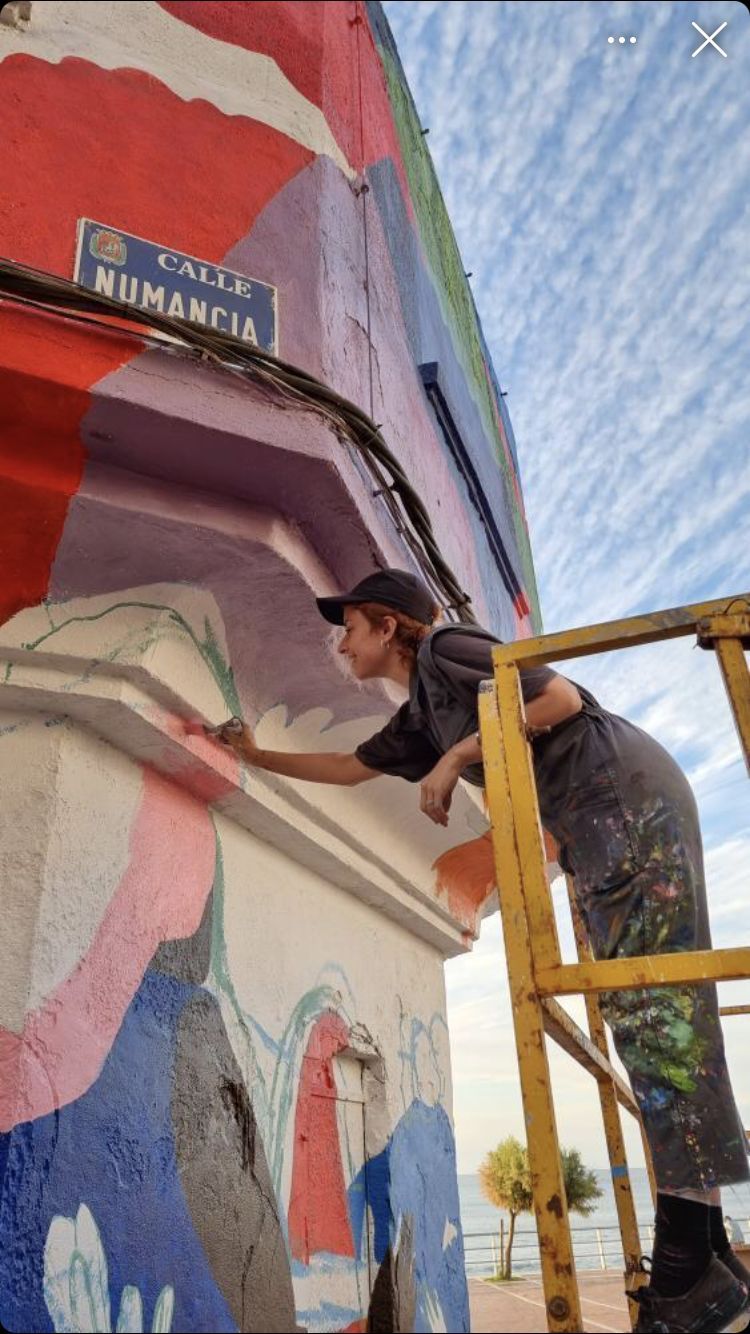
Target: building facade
225	1096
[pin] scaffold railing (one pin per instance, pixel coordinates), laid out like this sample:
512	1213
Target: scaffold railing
536	972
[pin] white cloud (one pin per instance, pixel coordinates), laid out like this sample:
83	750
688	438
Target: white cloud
599	195
606	231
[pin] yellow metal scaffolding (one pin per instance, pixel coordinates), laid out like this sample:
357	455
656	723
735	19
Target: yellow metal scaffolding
536	972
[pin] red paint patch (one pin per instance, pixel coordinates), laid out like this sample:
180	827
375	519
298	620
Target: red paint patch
521	605
551	848
524	628
161	897
47	368
101	144
104	142
205	784
318	1211
322	52
312	42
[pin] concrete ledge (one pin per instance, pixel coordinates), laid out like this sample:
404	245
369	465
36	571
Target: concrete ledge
144	719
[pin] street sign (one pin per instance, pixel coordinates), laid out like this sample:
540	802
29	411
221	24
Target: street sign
155	277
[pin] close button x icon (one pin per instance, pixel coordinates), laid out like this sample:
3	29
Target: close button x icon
709	40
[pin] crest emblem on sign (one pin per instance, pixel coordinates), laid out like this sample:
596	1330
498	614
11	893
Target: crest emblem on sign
109	246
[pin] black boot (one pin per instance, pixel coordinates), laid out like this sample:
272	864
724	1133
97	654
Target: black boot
716	1304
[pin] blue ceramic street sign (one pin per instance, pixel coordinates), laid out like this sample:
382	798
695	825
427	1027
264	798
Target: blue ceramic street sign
155	277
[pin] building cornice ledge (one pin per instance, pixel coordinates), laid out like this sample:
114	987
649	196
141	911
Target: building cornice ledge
143	718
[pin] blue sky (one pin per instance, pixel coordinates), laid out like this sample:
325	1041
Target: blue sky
600	195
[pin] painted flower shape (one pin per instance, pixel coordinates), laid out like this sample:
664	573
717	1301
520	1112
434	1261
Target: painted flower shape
76	1283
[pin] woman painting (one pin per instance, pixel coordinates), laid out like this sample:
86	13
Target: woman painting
626	824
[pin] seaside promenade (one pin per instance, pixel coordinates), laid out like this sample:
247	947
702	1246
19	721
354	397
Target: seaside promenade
518	1307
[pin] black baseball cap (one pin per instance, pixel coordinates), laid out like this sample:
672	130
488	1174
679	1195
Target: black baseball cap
393	588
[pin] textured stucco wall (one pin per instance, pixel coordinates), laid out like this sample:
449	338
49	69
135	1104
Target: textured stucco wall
225	1083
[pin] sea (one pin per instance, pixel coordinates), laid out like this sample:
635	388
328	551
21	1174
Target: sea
595	1239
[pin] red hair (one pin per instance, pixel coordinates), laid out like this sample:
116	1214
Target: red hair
409	632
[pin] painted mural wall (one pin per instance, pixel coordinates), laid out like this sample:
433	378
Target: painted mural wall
215	1111
244	134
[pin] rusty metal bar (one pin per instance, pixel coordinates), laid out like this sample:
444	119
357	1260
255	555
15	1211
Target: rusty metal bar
562	1302
734	670
633	630
733	624
525	818
564	1030
535	970
653	970
609	1096
649	1165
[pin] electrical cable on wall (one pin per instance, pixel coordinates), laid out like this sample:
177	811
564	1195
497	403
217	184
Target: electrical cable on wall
51	293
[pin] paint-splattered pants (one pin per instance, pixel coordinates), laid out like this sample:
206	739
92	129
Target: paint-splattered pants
629	833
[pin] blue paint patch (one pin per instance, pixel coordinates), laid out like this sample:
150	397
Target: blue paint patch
431	340
324	1262
328	1316
113	1149
415	1175
619	1172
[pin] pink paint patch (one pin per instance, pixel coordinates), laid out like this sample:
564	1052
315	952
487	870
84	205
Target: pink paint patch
202	783
215	769
524	628
161	896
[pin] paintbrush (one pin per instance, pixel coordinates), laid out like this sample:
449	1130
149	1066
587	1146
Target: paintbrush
196	727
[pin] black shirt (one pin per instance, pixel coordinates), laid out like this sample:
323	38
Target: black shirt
442	705
594	771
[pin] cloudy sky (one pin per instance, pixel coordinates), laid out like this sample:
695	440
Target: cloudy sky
600	196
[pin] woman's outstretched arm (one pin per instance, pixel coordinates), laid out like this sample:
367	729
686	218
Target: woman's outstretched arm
319	767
